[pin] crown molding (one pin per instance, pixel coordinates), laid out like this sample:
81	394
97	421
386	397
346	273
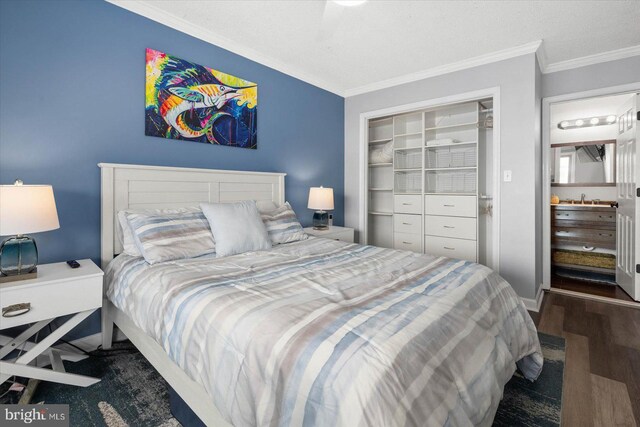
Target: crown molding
165	18
448	68
598	58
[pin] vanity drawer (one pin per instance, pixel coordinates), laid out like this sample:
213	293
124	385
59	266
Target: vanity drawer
584	236
464	206
452	248
407	203
444	226
404	223
561	216
407	242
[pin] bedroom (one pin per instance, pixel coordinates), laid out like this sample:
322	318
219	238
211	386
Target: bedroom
73	79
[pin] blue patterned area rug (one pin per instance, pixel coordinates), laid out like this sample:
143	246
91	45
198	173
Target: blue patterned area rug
539	403
132	393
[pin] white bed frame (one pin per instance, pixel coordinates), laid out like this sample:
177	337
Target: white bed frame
139	187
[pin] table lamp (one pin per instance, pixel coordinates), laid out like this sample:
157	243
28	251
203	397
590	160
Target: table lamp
320	199
24	209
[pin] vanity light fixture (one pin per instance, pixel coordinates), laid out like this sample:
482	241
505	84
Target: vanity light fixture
587	122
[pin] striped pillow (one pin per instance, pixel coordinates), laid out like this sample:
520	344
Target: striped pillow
170	236
283	225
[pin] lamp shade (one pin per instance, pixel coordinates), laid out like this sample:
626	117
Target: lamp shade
320	198
27	209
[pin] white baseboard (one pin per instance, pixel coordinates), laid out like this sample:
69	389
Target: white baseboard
534	304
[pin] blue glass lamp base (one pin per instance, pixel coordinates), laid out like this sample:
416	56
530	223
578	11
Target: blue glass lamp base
18	258
320	220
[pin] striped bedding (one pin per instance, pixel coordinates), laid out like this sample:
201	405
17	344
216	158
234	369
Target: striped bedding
325	333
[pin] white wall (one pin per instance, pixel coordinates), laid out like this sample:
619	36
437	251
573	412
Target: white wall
520	250
606	74
537	133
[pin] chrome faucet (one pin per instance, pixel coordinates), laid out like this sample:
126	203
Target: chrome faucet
582	196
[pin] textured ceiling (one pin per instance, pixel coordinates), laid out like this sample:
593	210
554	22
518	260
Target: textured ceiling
350	47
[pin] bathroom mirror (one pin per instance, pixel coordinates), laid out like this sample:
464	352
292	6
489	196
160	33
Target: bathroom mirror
590	163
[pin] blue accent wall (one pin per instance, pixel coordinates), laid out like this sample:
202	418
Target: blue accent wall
72	76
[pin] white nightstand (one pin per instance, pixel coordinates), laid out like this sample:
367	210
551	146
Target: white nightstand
58	290
343	234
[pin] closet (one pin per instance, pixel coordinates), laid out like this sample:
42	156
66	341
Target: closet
429	181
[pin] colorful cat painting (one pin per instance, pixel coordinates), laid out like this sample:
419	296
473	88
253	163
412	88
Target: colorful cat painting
191	102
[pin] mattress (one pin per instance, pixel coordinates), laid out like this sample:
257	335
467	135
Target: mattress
322	332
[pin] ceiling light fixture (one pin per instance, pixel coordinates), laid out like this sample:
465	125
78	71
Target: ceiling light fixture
592	121
349	3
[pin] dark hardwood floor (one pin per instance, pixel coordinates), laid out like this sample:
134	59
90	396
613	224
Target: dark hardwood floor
608	291
602	365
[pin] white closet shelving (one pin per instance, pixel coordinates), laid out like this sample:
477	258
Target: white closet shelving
425	197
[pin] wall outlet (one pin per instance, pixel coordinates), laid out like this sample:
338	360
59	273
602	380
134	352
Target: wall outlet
507	176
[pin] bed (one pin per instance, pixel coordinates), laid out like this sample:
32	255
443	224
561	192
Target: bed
315	332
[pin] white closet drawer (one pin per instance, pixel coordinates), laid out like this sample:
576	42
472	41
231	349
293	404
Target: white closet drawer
452	248
450	205
407	242
450	226
403	223
408	203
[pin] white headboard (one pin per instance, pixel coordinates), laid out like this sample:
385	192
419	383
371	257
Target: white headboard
141	187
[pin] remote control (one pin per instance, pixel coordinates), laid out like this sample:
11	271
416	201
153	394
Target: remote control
73	263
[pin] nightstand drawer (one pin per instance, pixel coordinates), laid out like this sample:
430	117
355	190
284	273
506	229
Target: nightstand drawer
49	300
343	236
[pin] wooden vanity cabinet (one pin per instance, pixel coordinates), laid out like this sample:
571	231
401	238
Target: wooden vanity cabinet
583	225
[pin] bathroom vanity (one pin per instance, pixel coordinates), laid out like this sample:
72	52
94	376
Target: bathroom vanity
583	237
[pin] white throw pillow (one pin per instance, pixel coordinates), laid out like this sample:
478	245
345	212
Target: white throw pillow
265	206
236	227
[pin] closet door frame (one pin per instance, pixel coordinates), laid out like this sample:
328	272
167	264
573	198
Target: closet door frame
493	92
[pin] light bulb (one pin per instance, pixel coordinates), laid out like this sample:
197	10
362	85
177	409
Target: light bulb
564	124
594	121
579	122
611	119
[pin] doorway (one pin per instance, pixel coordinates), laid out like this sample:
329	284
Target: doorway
587	247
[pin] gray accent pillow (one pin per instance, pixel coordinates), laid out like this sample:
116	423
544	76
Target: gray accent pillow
236	227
